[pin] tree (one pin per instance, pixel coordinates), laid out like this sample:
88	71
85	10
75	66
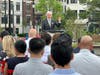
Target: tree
70	26
53	5
93	14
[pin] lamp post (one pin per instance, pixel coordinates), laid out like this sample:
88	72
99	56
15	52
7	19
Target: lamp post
33	15
9	17
5	16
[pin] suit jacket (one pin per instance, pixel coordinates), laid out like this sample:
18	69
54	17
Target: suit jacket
46	26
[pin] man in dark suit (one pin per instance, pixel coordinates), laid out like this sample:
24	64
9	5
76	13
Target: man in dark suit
48	23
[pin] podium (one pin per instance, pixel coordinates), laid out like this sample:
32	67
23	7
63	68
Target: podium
53	32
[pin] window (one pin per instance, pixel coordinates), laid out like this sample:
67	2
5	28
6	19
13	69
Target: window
18	6
18	19
67	1
12	19
83	14
28	6
4	20
75	13
28	20
17	30
11	5
73	1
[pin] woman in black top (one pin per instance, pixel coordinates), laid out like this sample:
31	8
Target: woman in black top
20	48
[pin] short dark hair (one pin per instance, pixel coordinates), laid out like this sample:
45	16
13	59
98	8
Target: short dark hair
20	45
4	33
36	45
65	38
61	50
46	37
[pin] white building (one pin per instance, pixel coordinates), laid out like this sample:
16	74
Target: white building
75	6
16	15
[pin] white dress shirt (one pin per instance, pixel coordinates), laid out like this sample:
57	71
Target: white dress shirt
47	50
27	43
86	63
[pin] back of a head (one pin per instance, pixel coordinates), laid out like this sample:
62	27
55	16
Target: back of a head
32	33
4	33
8	45
86	41
36	45
61	53
20	46
65	38
46	37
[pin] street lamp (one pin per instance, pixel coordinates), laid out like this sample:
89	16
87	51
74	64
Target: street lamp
33	15
5	16
9	29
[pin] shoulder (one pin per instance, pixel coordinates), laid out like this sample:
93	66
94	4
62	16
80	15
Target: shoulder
11	59
20	66
77	74
19	69
47	68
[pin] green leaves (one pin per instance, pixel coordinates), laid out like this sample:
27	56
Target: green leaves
53	5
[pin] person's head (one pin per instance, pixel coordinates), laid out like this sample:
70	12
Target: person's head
3	33
20	47
46	37
86	42
49	14
61	52
8	45
32	33
36	46
65	38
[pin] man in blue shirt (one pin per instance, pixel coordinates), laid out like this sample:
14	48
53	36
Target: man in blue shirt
62	54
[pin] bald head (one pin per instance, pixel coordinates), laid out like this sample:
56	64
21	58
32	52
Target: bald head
32	33
86	41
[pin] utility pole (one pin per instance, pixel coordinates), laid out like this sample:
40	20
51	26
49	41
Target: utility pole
9	17
33	16
13	21
5	16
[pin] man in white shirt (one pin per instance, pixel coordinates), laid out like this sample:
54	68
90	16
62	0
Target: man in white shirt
32	34
47	48
49	23
85	62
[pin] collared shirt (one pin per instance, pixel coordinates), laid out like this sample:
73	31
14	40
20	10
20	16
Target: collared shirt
49	22
86	63
33	66
70	71
47	50
27	43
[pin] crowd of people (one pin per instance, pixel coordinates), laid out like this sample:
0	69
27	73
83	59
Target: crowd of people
47	55
43	54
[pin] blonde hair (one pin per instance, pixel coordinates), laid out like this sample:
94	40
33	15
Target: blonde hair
8	45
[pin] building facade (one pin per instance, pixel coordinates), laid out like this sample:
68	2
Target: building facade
22	13
76	6
16	15
27	11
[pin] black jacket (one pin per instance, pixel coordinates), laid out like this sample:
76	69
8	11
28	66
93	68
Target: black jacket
47	27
